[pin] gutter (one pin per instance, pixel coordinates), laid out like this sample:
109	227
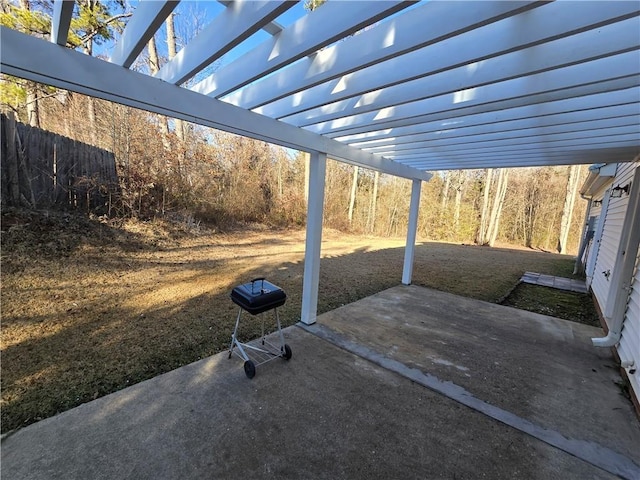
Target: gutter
599	174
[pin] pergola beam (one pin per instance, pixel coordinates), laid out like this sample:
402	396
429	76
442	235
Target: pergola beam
238	22
565	121
37	60
496	150
455	65
609	155
488	101
148	17
597	153
385	41
459	92
338	19
593	129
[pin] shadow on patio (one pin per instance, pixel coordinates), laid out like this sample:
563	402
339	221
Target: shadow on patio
407	383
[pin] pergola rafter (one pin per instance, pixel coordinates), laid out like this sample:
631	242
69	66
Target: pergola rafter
411	78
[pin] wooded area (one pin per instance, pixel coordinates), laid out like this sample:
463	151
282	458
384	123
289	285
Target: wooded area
168	167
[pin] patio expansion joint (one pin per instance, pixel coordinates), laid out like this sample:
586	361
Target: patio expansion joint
593	453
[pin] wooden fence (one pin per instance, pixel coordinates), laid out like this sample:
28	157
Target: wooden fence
40	169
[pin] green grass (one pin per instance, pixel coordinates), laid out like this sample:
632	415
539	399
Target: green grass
577	307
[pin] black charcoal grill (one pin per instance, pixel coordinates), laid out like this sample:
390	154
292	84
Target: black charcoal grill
257	297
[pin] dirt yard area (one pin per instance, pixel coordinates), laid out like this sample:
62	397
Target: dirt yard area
88	308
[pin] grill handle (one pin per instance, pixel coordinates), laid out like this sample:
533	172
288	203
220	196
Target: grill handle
259	279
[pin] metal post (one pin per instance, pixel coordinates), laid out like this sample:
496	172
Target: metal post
317	169
412	228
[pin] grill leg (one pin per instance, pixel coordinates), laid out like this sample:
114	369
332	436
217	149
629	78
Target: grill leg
262	316
234	338
279	328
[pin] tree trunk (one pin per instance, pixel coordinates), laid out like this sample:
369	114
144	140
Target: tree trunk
456	212
91	105
445	192
497	206
171	47
154	67
374	200
354	188
567	211
482	231
33	107
11	160
31	89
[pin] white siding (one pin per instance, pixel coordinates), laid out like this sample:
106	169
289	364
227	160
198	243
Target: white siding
611	236
596	210
629	347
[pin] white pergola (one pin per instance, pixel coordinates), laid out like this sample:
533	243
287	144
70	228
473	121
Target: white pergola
400	87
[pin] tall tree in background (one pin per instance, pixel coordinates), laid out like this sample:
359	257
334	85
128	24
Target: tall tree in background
460	180
171	48
93	24
573	175
154	67
372	206
481	238
444	196
23	18
498	202
311	5
352	197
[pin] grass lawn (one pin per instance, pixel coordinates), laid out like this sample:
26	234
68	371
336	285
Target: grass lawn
88	309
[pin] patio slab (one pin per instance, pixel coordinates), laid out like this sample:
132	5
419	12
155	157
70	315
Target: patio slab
331	413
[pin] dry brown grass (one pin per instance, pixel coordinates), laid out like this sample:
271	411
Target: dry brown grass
88	309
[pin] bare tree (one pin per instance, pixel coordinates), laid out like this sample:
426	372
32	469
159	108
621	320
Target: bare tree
498	202
373	204
171	47
33	112
354	188
445	192
154	67
481	238
458	187
573	174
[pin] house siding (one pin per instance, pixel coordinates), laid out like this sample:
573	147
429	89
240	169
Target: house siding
629	346
601	259
591	251
613	222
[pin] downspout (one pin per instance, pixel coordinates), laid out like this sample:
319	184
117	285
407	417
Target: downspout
622	274
594	173
585	226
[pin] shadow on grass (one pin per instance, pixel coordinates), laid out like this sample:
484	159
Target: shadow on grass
73	356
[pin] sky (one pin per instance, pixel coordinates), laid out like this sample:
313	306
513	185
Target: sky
202	12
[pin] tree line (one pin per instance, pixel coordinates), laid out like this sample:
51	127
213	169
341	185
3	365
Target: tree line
170	168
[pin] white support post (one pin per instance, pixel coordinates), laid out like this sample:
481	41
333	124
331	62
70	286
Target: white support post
317	169
412	228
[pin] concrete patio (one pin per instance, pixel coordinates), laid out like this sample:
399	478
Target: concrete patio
408	383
